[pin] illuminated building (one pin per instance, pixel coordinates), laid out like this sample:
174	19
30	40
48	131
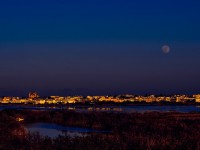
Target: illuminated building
197	98
33	95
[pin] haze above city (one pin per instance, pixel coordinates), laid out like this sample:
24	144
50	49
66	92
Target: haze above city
99	47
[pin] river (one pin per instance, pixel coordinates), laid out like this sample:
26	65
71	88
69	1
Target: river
124	109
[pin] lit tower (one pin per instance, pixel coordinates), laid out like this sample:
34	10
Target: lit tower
33	95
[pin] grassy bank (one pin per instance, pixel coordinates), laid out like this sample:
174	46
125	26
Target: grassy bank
152	130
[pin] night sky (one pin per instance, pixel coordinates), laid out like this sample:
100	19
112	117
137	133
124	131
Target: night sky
99	47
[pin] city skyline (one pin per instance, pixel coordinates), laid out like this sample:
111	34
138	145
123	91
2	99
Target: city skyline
34	98
99	48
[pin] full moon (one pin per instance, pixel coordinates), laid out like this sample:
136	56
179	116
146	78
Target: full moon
165	49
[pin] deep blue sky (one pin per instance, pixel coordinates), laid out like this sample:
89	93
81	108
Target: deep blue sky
99	47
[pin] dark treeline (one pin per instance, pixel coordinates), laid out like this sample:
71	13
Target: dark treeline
151	130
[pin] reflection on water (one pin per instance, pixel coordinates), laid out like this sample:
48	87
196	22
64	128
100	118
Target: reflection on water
125	109
54	130
142	109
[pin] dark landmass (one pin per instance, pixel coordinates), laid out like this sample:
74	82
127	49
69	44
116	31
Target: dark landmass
151	130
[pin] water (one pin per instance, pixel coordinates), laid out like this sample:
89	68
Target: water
54	130
169	108
125	109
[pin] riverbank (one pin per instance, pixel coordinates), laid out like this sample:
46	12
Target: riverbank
106	104
150	130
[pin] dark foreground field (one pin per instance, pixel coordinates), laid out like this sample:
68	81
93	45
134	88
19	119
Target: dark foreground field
150	130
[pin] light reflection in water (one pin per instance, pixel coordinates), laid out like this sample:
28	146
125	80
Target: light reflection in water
124	109
54	130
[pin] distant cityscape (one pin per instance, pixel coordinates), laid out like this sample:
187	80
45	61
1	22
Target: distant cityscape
34	98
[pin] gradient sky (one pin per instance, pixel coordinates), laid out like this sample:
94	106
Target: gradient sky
60	47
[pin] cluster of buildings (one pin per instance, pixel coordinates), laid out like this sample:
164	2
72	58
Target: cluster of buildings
34	98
